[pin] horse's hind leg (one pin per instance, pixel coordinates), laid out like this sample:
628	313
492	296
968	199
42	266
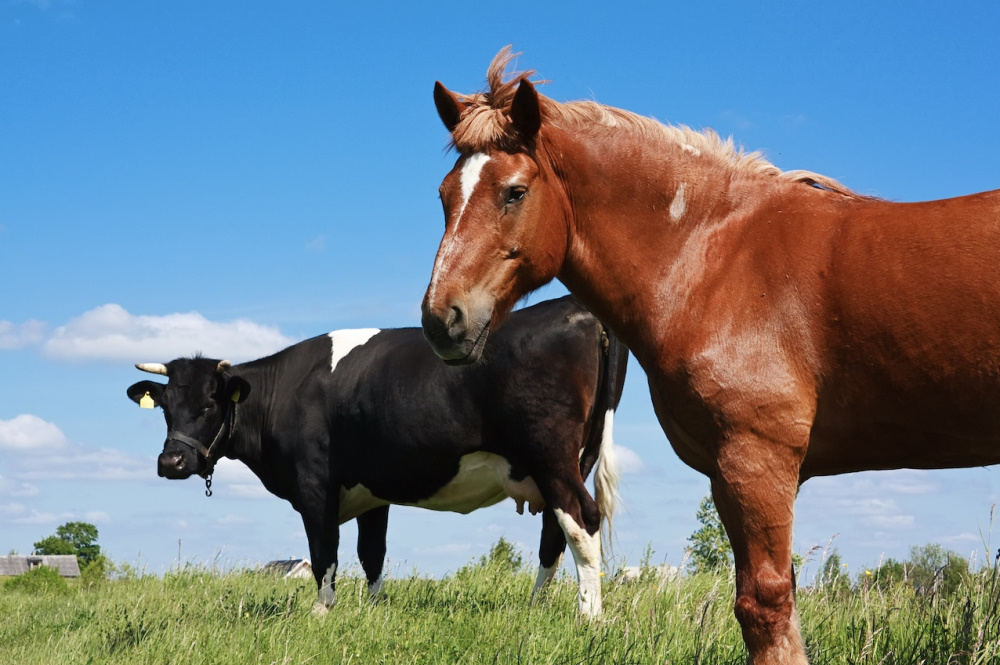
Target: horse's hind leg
550	551
754	492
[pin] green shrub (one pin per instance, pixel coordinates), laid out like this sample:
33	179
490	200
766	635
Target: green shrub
95	572
38	580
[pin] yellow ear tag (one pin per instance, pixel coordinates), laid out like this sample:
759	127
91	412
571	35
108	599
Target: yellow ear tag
236	396
146	402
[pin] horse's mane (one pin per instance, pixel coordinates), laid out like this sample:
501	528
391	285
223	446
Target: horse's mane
486	122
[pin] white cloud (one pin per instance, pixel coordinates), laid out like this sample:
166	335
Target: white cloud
82	463
12	508
889	521
14	336
628	460
17	489
257	491
961	539
37	517
233	520
96	516
444	549
909	481
239	480
28	433
110	332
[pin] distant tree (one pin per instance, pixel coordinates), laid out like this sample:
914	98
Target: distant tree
710	550
834	576
933	568
79	538
504	555
54	545
889	574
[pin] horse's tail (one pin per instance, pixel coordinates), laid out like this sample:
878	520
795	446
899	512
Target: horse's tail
609	393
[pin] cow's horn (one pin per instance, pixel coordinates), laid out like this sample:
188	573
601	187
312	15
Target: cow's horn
152	368
223	366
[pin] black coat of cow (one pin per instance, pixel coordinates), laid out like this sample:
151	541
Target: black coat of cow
342	425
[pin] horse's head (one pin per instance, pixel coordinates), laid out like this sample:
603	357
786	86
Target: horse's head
506	219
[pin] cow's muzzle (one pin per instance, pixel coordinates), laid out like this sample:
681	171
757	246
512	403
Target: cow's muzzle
173	466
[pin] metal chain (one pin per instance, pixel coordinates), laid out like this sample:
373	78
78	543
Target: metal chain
208	485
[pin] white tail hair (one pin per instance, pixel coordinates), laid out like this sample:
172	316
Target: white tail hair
606	477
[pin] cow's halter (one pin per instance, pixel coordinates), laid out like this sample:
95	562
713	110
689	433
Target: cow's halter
227	428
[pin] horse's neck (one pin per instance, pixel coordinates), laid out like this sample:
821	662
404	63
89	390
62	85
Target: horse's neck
644	230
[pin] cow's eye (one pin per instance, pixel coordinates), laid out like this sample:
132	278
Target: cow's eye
514	194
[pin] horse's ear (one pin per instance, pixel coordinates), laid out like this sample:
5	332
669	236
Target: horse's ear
526	110
448	106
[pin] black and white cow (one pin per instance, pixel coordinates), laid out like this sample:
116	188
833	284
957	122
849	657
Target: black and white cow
342	425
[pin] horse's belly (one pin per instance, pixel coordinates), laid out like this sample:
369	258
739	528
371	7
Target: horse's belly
921	438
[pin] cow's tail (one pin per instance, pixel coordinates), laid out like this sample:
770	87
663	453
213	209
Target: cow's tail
606	473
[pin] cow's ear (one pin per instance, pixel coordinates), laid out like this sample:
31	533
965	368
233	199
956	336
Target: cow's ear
237	389
146	394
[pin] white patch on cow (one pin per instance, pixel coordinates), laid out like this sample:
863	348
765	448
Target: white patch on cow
355	501
343	342
586	551
545	575
678	206
469	178
687	147
326	597
483	479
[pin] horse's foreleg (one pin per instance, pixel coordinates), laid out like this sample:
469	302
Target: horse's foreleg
754	491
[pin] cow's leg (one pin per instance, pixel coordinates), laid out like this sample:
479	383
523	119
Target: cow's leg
579	518
754	491
324	538
550	550
372	527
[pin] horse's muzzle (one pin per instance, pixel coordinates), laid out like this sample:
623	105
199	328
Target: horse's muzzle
452	334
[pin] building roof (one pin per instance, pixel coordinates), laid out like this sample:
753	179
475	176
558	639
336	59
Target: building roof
16	564
288	568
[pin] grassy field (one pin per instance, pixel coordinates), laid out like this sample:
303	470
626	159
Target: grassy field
479	615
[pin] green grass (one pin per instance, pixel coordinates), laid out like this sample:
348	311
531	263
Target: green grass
479	615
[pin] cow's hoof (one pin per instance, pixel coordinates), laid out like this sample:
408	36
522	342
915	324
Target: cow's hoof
320	610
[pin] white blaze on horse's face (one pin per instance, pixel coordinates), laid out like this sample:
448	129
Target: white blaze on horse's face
471	171
492	252
468	179
489	203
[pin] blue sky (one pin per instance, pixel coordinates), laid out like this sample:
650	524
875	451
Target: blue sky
232	177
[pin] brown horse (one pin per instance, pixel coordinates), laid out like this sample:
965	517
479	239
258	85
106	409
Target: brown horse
789	327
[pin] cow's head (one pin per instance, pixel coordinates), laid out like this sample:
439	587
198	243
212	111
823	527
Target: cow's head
199	404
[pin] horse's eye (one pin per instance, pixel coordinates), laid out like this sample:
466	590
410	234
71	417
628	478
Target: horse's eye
515	194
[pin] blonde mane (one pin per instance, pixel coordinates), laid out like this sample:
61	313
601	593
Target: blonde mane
486	122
